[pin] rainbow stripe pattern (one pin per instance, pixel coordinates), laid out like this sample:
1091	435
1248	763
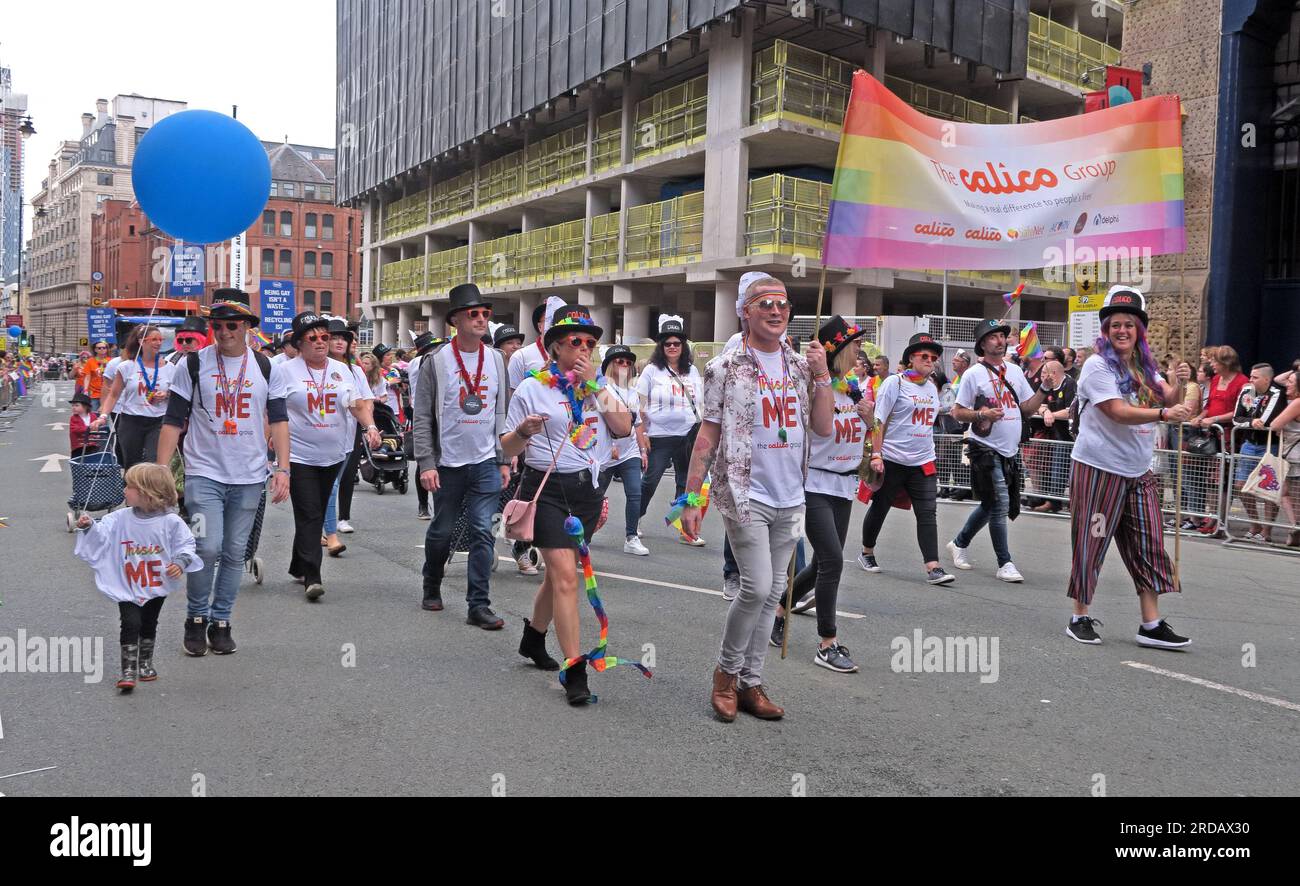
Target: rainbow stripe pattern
913	191
1030	347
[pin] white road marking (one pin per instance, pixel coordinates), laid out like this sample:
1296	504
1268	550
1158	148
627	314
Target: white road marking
29	772
1210	684
52	463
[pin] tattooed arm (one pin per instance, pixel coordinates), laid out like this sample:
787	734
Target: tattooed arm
706	447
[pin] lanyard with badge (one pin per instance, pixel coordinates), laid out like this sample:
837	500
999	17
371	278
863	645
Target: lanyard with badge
471	403
318	385
230	427
764	384
150	387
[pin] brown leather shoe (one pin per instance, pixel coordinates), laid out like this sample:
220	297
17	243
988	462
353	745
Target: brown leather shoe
724	695
753	700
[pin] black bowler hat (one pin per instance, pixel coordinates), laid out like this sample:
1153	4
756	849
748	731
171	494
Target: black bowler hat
836	334
671	326
193	323
1124	300
466	295
305	322
569	319
613	353
83	398
922	341
232	304
985	329
339	326
504	334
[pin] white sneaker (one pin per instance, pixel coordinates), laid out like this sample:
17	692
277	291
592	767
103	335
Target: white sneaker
730	587
633	546
959	558
1010	573
685	539
525	563
345	526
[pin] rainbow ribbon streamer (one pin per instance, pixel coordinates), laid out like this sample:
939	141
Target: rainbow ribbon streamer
1014	296
1030	347
598	658
691	499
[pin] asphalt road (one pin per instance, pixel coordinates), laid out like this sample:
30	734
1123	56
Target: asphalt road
433	706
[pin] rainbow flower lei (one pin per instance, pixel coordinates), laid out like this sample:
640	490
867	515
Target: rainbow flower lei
850	385
598	658
581	436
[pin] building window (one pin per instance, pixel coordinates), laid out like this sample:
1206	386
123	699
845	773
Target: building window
268	262
275	189
326	302
286	224
268	223
309	299
309	264
327	228
288	189
286	263
327	192
310	232
105	178
309	192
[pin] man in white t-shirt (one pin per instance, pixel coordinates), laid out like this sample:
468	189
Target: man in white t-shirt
459	418
230	399
996	399
758	407
532	355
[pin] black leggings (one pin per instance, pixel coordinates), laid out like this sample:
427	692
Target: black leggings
309	490
137	438
826	521
924	493
140	622
348	482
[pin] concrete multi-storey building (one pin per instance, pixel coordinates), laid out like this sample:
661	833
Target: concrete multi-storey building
82	175
13	111
641	159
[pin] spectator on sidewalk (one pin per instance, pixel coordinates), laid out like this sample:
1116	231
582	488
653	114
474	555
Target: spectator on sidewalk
1220	407
1052	423
1258	405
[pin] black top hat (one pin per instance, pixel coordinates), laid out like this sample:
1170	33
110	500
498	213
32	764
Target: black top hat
193	323
305	321
504	333
987	328
232	304
539	313
671	327
1125	300
613	353
83	398
424	341
922	341
380	350
572	318
466	295
836	334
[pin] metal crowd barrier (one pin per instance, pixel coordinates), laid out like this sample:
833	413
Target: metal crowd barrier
8	393
1210	490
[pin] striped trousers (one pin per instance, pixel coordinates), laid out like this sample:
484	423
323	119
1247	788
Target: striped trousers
1105	506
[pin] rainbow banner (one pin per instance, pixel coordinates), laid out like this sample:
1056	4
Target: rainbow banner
1030	347
913	191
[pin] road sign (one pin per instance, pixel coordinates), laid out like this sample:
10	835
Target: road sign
14	320
97	276
97	288
85	342
101	324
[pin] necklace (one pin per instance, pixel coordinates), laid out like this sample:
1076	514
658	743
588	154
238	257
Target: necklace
849	385
580	435
471	403
319	385
915	376
764	383
149	386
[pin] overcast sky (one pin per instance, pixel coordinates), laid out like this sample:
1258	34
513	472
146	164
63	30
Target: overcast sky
273	59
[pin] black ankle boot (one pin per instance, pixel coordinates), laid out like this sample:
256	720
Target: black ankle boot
575	684
533	646
130	664
147	672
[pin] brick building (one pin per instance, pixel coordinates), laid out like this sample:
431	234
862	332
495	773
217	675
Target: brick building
121	250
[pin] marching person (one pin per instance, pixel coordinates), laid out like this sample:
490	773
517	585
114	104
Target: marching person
139	385
507	339
995	398
425	342
191	337
338	513
669	389
320	392
902	455
556	419
830	489
389	391
759	403
287	350
90	378
529	357
1121	398
627	455
459	419
232	403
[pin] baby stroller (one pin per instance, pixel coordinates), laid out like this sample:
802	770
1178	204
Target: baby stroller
97	483
387	464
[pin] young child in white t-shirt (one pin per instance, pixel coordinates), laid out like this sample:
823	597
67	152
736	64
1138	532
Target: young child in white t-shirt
139	555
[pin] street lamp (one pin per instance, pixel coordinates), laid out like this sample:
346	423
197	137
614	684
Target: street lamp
25	129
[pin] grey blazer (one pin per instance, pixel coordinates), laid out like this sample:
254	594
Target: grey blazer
425	419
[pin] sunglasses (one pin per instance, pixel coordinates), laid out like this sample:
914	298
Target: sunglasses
187	340
588	344
324	336
924	355
623	361
672	344
229	326
767	304
479	313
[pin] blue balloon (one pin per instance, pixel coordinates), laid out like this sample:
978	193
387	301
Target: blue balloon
1119	95
201	176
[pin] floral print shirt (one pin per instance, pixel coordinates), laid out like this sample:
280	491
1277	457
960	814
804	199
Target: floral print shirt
731	400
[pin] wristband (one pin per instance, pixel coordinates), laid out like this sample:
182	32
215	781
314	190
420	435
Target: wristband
280	471
519	433
1162	413
822	384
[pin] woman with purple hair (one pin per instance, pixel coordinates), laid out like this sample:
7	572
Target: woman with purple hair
1113	492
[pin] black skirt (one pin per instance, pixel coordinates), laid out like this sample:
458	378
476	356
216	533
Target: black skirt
564	495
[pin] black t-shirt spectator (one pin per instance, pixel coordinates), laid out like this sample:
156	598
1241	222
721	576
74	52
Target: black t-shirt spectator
1056	400
1266	406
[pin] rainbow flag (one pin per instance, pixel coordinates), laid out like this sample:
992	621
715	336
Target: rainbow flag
913	191
1030	347
1014	296
261	337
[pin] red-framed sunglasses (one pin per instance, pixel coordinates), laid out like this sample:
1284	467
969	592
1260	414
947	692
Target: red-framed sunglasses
588	344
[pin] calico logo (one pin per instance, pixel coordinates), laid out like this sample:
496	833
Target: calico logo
991	234
936	229
1081	223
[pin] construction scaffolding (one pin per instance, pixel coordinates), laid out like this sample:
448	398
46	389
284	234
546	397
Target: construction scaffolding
607	149
447	269
602	245
1063	53
672	118
786	216
794	83
945	105
667	233
401	279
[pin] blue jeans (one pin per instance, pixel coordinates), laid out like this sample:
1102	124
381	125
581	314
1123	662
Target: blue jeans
996	521
665	451
227	511
332	509
630	473
476	489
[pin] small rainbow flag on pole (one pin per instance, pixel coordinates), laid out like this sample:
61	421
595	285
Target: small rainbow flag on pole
1014	296
261	337
1030	347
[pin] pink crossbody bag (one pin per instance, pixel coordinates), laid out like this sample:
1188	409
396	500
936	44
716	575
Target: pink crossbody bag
519	514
